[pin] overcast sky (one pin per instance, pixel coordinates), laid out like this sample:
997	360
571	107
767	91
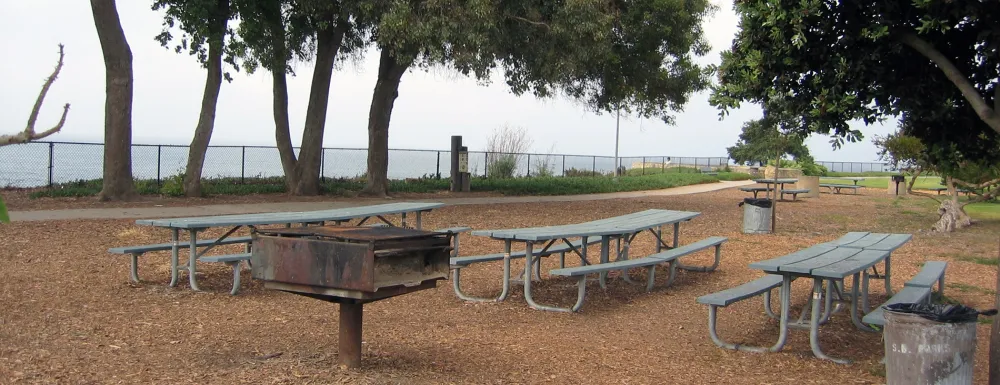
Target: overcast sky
431	106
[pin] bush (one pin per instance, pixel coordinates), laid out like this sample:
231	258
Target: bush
576	172
502	166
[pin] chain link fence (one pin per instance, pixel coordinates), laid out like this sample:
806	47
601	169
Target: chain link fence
39	164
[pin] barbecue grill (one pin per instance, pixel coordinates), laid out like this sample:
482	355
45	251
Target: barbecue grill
350	266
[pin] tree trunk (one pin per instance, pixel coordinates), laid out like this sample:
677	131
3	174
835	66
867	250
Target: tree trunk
282	129
117	184
994	374
209	101
390	71
909	187
307	168
953	216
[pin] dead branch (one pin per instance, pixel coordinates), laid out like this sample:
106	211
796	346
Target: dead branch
29	133
532	22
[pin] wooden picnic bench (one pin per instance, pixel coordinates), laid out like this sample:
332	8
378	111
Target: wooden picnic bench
193	225
837	187
623	229
828	264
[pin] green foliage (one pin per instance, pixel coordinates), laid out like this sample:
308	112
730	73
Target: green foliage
4	217
587	185
174	185
577	172
202	23
761	141
902	151
501	166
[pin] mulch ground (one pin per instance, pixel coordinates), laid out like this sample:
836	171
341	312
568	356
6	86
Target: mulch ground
70	314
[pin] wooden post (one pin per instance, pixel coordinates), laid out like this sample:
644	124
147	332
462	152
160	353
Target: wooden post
456	178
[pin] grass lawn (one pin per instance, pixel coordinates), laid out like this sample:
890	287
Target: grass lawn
923	182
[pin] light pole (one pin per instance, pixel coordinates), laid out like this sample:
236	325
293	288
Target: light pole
618	119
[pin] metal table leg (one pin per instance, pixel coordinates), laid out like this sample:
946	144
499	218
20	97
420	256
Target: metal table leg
815	321
194	258
174	256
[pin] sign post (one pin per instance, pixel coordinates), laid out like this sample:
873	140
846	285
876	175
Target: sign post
460	178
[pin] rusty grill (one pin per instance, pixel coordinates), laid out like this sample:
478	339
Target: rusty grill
350	262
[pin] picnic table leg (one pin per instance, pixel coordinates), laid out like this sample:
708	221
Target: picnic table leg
419	220
864	291
581	282
677	233
191	261
402	221
855	317
888	275
783	323
605	251
174	256
457	281
583	251
814	323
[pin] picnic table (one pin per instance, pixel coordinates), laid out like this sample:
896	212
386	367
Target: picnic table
853	179
194	225
828	265
623	229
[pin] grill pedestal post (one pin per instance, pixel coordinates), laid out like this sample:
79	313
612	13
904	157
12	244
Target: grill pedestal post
349	354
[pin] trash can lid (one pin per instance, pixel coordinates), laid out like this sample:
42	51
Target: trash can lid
940	312
759	202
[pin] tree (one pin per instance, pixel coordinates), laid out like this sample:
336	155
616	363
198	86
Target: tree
905	153
29	134
117	183
611	56
839	61
760	141
272	34
202	22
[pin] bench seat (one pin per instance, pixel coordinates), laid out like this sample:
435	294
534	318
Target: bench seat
759	286
650	262
932	272
909	294
794	192
458	262
756	190
837	187
136	251
747	290
233	260
167	246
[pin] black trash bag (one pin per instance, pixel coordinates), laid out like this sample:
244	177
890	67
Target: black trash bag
941	312
759	202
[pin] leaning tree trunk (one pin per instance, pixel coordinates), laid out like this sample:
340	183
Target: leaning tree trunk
279	92
994	374
390	71
209	101
117	184
307	168
953	216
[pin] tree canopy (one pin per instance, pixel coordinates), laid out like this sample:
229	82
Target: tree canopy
761	141
838	61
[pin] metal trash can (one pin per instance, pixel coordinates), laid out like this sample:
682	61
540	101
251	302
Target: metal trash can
930	343
756	215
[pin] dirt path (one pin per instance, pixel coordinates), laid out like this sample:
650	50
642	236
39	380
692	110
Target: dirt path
247	208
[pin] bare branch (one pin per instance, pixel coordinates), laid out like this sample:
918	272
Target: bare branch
971	94
29	133
976	186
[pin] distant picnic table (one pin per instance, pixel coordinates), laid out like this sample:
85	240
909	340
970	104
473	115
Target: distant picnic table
194	225
827	264
574	238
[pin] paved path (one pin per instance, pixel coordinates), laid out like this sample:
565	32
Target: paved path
190	211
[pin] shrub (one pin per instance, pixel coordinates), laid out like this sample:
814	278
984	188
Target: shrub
502	166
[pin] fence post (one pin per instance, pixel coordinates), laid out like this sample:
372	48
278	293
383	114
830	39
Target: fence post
564	165
322	165
593	172
486	164
528	174
437	171
243	165
52	147
159	154
644	165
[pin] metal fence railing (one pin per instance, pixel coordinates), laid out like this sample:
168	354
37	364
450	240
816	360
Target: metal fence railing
39	164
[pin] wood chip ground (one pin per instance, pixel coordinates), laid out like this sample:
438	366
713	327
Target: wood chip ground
70	315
